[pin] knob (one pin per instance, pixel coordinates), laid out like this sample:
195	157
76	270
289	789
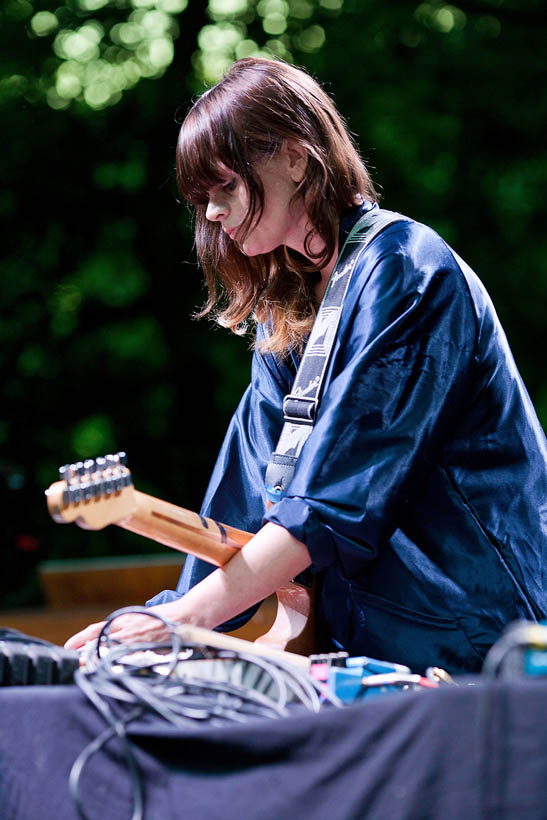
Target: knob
100	464
89	466
64	472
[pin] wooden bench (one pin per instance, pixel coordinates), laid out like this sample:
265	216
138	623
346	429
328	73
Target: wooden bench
82	591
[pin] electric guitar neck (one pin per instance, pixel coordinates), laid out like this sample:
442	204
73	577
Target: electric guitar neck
99	492
93	500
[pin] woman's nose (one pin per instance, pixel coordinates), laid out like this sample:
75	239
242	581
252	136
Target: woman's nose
215	210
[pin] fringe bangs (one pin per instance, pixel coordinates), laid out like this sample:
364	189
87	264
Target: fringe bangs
259	104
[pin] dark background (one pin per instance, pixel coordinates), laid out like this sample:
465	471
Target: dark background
98	276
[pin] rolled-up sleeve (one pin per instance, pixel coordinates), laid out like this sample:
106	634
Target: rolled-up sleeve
397	382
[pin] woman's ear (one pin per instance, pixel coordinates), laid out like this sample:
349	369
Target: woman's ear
297	160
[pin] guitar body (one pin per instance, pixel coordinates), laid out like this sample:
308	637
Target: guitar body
294	627
94	496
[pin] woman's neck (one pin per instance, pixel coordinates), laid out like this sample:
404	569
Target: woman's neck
325	272
312	249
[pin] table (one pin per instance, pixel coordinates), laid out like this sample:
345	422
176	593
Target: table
473	752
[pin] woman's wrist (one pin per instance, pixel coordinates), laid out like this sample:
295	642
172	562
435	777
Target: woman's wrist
182	611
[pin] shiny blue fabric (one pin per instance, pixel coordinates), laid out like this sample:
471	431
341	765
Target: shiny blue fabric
421	493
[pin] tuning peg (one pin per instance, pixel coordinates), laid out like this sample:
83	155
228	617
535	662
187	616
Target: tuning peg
122	458
89	466
64	472
75	494
100	463
111	461
88	491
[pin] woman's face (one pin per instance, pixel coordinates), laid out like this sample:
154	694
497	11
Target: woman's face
283	221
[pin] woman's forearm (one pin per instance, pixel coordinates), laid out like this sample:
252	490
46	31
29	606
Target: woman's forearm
270	559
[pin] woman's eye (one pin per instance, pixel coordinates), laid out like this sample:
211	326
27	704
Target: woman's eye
229	186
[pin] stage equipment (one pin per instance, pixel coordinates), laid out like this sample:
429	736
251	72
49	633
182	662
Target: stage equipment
25	661
520	651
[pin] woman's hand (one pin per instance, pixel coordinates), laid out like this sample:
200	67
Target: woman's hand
132	628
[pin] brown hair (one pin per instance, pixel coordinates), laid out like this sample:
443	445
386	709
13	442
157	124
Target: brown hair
256	106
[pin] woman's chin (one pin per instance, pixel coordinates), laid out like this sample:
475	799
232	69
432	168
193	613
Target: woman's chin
251	250
256	248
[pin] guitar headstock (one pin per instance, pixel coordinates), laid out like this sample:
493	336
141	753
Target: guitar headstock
93	493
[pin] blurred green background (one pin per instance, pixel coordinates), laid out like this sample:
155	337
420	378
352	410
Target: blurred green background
98	275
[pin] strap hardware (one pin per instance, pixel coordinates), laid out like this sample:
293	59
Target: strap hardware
299	409
300	406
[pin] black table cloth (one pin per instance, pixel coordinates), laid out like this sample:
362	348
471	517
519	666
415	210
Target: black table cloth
470	752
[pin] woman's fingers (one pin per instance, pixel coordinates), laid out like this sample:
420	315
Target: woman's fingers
81	638
130	628
137	629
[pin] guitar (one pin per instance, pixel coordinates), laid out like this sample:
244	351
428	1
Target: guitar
99	492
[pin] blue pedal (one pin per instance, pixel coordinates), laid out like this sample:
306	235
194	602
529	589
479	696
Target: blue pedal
347	682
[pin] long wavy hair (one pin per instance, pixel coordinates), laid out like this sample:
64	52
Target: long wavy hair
257	105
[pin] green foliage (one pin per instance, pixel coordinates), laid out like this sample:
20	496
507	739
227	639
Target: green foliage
94	434
98	280
102	48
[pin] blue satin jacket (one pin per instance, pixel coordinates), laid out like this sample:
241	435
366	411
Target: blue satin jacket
421	493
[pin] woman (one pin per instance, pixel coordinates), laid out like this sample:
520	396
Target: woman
417	497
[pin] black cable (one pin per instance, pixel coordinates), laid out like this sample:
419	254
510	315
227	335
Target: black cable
94	747
117	727
139	683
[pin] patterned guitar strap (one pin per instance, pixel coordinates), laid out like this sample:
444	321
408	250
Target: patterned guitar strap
300	405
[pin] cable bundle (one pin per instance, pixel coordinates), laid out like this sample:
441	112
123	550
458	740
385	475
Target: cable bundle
181	682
